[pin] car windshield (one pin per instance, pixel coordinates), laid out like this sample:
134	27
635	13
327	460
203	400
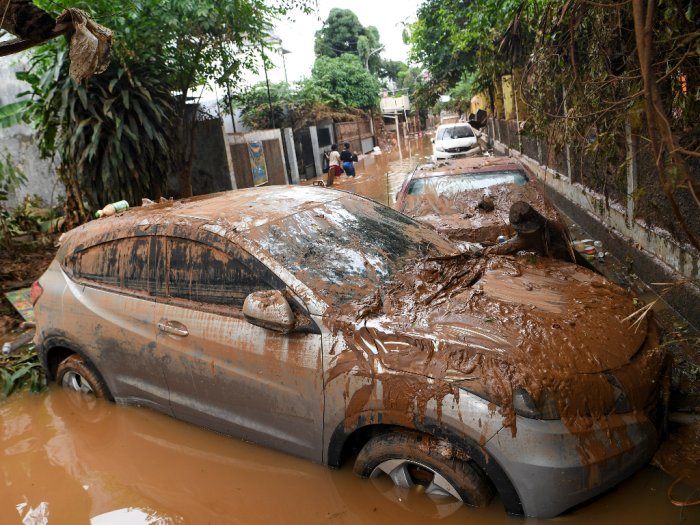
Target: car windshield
456	132
345	248
451	184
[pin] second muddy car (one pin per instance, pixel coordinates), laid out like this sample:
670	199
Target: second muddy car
470	199
327	325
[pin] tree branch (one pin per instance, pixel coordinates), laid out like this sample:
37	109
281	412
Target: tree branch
16	45
660	133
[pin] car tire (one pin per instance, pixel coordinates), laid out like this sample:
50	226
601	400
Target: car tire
74	373
411	458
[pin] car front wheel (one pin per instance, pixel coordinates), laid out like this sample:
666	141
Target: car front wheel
411	460
74	373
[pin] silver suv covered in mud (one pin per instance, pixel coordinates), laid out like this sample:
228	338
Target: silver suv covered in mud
324	324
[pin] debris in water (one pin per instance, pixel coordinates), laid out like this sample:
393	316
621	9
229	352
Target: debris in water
679	457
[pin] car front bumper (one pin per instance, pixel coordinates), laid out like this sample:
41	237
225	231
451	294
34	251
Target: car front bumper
554	469
469	151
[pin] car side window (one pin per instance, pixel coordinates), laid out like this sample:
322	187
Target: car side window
126	263
441	134
200	273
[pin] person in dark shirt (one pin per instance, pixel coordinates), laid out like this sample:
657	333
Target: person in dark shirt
348	158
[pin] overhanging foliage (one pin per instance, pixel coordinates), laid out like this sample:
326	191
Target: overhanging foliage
583	71
113	134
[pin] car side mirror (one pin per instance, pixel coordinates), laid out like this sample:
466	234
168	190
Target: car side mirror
269	309
432	141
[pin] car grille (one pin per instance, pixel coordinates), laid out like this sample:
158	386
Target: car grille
458	150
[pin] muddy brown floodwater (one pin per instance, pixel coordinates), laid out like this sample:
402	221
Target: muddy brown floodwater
68	460
380	177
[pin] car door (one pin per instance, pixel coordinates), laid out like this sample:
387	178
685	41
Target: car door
225	373
113	305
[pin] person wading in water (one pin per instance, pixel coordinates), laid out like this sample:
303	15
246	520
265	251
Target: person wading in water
334	168
347	158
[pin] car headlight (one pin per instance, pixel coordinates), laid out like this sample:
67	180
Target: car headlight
525	406
439	148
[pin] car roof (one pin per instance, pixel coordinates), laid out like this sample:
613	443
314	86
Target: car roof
454	124
458	166
222	213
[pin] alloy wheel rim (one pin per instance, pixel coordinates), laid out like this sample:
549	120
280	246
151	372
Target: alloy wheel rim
75	381
402	473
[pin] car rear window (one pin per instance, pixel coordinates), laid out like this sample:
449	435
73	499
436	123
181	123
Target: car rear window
457	183
128	263
172	267
456	132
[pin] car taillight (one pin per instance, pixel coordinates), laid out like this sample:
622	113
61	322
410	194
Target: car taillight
35	292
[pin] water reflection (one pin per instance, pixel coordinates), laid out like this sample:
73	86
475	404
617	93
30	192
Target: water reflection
68	463
379	177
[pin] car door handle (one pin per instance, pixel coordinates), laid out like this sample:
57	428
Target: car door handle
173	327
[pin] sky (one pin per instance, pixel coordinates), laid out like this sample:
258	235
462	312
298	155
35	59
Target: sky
298	35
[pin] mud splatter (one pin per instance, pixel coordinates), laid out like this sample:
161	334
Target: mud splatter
499	325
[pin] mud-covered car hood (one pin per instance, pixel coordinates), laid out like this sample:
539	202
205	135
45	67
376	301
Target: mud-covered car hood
496	325
519	310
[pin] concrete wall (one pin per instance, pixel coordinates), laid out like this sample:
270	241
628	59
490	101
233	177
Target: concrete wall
20	143
239	161
479	101
209	170
653	253
508	100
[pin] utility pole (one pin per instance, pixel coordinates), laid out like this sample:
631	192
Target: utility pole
230	105
267	83
284	62
398	133
370	54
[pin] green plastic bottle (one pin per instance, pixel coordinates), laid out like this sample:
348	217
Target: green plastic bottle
113	208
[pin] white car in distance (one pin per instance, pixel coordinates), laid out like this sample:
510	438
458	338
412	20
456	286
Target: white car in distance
454	140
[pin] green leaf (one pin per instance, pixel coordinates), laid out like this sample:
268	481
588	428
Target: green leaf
118	127
107	105
23	371
13	113
8	383
82	95
94	142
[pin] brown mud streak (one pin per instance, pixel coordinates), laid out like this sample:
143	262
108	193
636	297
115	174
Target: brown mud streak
492	325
